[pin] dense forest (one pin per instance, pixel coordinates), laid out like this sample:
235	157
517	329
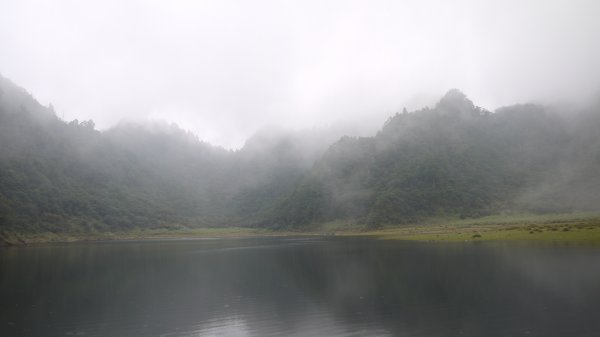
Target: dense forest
455	159
452	159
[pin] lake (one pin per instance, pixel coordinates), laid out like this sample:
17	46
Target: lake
299	287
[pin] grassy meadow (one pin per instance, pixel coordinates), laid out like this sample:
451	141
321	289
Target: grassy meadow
571	227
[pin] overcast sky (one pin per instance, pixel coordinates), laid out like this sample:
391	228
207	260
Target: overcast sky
224	69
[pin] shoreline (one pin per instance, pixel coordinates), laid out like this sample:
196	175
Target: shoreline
574	232
581	228
576	228
141	235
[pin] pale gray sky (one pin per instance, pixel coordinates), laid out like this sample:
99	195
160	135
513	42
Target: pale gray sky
224	68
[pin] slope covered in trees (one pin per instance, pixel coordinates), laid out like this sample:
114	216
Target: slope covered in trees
59	176
454	159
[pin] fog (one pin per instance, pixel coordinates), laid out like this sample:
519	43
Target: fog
306	132
225	69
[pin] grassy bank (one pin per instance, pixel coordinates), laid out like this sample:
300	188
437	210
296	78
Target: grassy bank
572	227
575	227
137	234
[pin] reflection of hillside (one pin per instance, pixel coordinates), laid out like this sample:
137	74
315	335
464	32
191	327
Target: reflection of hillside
571	275
305	287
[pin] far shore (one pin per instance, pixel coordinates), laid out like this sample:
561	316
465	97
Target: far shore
581	228
574	230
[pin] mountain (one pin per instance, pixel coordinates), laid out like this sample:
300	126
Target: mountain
452	159
66	176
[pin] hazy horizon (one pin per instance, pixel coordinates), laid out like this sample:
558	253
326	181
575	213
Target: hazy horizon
225	69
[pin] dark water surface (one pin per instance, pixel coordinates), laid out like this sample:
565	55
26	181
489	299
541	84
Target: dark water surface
299	287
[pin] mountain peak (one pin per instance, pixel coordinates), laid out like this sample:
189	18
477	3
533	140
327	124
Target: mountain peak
455	98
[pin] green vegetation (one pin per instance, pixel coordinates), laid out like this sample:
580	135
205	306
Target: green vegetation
144	234
455	159
573	228
68	180
580	228
64	178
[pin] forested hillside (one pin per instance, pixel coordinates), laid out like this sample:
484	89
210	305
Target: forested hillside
452	159
455	159
67	176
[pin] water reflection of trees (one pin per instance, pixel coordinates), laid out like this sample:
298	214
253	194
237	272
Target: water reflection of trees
285	287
